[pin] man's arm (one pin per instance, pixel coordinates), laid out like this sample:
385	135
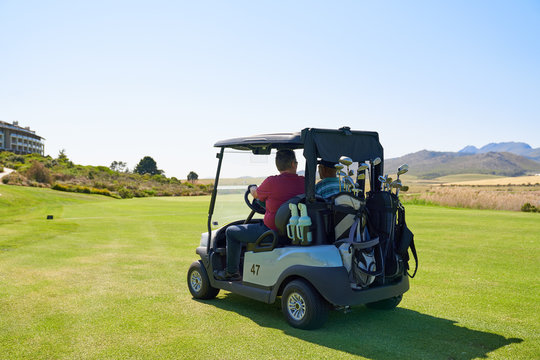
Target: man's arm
262	191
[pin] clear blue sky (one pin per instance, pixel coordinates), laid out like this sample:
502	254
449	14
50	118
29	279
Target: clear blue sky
118	80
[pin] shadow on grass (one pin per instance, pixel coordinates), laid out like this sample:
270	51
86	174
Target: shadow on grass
378	334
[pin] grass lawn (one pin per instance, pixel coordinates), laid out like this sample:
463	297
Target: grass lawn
105	279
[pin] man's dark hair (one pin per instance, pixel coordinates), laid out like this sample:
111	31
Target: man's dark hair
284	158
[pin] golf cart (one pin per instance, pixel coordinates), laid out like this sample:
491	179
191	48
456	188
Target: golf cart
348	250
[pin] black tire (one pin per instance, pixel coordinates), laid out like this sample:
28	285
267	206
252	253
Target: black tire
386	304
302	305
198	282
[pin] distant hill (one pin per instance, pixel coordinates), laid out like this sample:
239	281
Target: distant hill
517	148
431	164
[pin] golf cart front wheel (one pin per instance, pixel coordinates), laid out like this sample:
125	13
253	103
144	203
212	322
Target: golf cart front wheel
302	305
386	304
198	282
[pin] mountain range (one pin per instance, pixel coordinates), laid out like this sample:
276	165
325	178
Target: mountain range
504	159
517	148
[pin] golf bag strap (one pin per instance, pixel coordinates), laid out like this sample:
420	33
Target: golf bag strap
353	231
413	250
365	245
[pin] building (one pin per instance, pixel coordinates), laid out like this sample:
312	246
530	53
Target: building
20	140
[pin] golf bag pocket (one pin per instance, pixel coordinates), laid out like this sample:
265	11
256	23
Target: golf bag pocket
382	209
347	210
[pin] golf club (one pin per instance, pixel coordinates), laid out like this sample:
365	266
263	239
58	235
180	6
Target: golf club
339	167
382	179
396	185
388	181
361	176
402	170
347	161
374	163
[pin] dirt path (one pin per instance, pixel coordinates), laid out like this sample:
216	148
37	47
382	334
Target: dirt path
2	174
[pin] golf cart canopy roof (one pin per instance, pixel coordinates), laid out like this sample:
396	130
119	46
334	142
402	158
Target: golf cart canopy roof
263	144
324	144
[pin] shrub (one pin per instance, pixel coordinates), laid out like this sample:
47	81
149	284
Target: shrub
16	158
125	193
15	179
528	207
39	173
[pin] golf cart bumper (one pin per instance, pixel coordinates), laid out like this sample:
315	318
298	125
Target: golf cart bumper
333	284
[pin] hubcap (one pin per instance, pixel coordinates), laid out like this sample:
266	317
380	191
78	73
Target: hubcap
195	281
296	306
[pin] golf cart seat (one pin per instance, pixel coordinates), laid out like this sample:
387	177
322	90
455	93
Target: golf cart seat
283	215
319	213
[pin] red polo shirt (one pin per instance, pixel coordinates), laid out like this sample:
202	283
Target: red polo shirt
275	190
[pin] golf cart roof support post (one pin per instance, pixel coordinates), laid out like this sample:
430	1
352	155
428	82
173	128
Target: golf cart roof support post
213	200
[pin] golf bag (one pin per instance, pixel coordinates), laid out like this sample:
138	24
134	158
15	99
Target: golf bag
387	220
382	207
360	253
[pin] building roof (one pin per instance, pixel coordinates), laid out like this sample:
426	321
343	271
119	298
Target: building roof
16	127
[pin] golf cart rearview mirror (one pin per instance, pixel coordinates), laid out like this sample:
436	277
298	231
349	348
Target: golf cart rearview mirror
263	150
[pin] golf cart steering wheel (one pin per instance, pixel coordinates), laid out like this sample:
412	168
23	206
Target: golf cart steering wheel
255	205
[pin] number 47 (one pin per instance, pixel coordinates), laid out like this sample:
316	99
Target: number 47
255	269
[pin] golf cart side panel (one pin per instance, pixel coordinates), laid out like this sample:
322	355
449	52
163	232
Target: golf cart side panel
332	144
333	284
264	268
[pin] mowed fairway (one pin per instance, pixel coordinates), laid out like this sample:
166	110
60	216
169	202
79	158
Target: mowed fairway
105	279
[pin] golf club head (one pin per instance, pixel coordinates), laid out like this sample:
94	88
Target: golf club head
376	161
342	173
404	188
361	176
339	167
347	161
396	184
362	167
382	179
402	169
389	180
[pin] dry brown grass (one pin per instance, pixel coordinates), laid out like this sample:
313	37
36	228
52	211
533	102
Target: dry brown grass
520	180
483	197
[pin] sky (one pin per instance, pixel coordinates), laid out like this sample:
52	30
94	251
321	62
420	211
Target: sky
120	80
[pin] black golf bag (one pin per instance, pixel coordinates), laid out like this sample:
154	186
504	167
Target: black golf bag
386	219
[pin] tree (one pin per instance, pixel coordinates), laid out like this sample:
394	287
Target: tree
192	177
147	165
62	155
119	166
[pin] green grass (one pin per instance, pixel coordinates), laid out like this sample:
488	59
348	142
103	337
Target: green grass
106	280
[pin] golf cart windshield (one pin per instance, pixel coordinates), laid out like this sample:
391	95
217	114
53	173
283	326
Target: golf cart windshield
239	170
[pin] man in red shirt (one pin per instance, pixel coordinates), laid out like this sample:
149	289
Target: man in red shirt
275	190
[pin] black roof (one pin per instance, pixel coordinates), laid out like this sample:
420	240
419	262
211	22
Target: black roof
264	142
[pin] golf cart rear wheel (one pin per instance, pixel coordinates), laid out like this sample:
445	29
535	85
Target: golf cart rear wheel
386	304
302	305
198	282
